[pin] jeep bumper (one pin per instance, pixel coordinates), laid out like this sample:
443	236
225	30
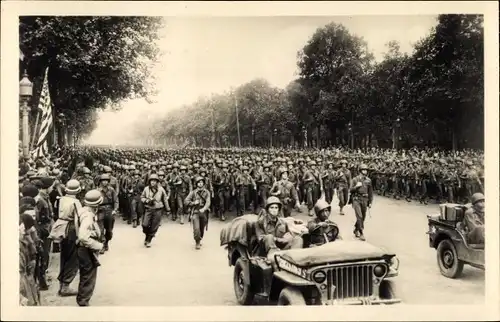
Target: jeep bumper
364	302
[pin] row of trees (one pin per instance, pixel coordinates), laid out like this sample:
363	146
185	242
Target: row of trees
93	63
433	96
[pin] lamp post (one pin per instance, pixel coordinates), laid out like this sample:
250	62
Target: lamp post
25	93
275	131
253	137
62	130
304	132
397	138
351	138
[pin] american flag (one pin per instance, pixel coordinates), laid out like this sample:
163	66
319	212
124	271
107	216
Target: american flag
45	105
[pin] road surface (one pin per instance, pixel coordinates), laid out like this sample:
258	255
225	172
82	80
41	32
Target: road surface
173	273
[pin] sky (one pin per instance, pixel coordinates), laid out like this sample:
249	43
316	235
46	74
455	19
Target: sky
204	55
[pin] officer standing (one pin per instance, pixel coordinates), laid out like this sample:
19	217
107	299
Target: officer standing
362	198
199	201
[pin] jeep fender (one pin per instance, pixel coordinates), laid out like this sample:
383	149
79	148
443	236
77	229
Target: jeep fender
282	279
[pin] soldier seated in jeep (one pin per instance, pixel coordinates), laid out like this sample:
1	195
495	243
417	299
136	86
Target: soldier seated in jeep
321	229
474	220
273	232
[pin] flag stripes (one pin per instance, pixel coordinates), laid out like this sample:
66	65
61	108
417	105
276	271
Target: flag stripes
45	107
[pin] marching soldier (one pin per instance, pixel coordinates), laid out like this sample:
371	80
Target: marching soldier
199	201
164	184
107	210
136	205
224	187
286	192
362	198
264	183
185	187
343	182
155	199
243	182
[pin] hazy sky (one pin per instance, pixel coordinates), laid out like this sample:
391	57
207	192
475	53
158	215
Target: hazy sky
204	55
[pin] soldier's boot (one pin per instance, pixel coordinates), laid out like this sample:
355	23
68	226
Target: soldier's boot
181	220
311	212
356	233
198	244
134	223
106	246
341	212
222	216
361	236
65	290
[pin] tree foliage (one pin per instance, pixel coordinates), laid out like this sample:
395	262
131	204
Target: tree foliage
433	96
93	62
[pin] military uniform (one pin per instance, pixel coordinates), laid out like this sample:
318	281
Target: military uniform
362	198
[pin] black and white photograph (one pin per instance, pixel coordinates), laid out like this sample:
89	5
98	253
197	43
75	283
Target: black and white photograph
251	161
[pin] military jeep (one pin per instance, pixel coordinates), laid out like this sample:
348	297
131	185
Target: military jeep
338	272
447	236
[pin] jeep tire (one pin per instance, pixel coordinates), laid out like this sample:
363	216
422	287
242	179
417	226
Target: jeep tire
291	296
387	290
242	289
448	262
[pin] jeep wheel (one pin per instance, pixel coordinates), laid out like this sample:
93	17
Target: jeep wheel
244	295
291	296
449	264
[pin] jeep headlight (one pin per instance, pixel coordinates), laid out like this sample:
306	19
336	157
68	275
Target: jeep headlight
319	277
394	263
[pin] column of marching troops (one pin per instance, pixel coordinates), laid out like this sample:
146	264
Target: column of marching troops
73	197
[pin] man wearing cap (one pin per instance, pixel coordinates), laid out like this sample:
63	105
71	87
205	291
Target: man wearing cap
362	198
69	206
44	220
107	210
155	199
474	219
199	201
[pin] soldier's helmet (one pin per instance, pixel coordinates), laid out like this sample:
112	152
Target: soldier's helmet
363	166
105	177
477	197
154	176
132	167
183	167
244	168
224	165
321	205
267	166
343	161
169	166
137	172
93	198
107	169
161	173
176	165
281	171
56	172
86	170
73	187
312	162
290	163
198	179
203	170
273	201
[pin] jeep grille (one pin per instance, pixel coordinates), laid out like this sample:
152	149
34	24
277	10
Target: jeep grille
350	281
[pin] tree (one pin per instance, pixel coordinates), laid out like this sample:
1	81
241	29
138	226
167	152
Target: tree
93	62
332	65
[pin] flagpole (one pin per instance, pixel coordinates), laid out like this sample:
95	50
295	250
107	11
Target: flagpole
34	137
237	120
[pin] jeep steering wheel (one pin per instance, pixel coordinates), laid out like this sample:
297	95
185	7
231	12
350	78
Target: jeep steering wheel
331	231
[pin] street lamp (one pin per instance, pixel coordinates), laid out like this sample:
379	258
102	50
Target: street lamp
25	93
304	131
351	141
253	137
275	137
398	124
62	129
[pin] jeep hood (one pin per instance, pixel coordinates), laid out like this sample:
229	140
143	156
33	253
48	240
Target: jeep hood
337	251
